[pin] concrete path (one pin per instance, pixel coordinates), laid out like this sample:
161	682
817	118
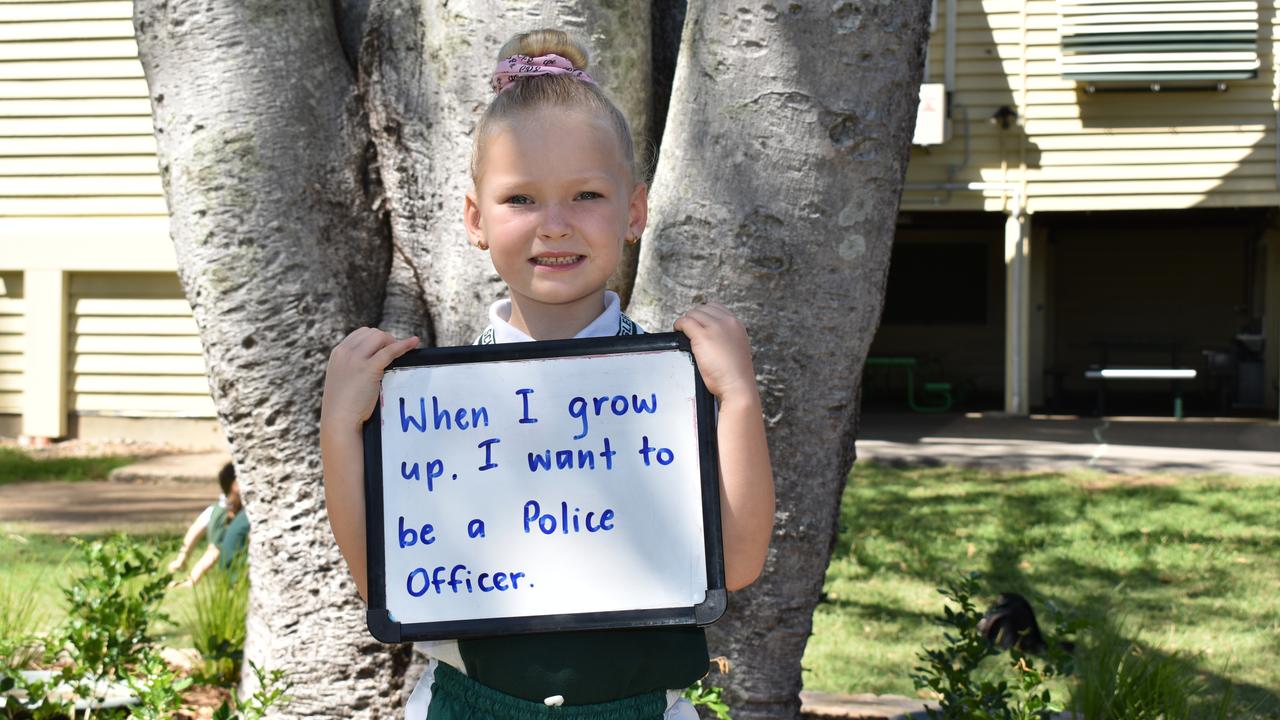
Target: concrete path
825	706
1115	445
159	494
94	507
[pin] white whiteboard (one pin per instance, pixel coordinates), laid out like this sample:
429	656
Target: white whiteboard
529	488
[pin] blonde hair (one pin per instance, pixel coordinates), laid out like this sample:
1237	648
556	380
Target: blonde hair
530	94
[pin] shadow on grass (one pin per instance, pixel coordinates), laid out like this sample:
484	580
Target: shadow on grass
1198	677
880	612
1178	553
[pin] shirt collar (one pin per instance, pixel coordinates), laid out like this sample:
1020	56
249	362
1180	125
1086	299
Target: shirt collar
606	324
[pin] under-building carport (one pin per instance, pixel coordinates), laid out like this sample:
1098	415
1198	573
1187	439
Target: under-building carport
1151	313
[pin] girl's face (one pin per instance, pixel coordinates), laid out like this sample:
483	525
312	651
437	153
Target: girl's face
554	202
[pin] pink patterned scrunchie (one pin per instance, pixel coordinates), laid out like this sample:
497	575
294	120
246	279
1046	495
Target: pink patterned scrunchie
518	66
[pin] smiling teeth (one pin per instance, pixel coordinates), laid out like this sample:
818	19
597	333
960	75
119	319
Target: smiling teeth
566	260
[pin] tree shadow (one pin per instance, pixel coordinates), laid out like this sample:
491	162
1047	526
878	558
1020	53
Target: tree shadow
1109	626
916	524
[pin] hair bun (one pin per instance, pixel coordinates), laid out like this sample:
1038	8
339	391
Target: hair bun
548	41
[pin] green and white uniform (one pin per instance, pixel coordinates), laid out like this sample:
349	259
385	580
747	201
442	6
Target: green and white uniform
597	675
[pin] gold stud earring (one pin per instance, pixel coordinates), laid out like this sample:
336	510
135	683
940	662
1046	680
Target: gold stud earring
482	244
633	239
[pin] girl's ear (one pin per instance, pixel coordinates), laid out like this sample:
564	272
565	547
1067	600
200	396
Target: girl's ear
471	218
638	211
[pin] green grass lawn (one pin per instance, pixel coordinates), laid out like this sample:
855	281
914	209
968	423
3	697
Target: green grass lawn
43	564
17	466
1188	565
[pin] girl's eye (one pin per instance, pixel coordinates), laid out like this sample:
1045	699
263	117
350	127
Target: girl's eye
589	195
518	200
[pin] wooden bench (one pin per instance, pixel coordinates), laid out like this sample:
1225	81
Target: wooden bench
1104	374
940	389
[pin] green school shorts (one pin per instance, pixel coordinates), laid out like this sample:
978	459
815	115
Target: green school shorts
455	696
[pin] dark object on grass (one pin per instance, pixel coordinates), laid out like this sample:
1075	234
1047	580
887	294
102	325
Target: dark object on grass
1012	623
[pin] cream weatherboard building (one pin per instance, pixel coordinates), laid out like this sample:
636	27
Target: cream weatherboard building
1096	183
96	337
1097	188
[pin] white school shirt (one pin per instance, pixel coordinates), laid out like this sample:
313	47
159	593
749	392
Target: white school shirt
609	323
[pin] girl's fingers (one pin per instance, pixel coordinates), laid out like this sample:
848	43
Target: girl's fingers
366	342
394	350
689	323
371	342
702	317
354	341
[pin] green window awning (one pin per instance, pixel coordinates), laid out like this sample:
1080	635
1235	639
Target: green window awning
1158	40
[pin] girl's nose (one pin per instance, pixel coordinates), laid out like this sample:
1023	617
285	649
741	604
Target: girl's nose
554	224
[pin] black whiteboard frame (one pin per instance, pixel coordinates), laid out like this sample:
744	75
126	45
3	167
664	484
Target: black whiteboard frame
388	630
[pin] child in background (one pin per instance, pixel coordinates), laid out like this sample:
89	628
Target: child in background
556	194
223	524
226	476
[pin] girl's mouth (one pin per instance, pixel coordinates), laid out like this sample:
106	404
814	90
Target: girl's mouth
556	260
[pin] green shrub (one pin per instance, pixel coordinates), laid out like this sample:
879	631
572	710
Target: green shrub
952	670
217	620
112	605
105	637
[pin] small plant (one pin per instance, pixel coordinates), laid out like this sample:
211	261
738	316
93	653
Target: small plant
19	616
217	621
272	689
158	688
710	696
950	670
1121	679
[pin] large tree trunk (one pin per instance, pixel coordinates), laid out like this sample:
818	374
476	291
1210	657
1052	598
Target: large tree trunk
777	193
265	158
315	168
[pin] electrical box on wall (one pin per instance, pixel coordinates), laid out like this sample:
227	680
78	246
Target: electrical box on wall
932	126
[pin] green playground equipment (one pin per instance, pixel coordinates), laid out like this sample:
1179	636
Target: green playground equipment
937	393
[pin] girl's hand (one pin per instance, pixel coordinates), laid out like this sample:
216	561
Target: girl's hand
723	353
354	376
722	350
351	386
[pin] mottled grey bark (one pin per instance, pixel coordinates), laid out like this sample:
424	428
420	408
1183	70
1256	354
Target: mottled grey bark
426	69
776	193
265	159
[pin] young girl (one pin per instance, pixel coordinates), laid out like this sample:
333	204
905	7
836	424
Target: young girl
556	194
